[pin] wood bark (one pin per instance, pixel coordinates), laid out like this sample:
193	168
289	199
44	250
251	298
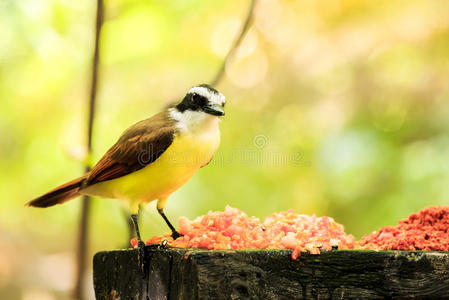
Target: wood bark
271	274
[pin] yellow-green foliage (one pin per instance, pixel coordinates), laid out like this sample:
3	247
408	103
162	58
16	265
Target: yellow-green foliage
337	108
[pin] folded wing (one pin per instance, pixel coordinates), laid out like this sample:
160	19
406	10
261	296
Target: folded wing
139	146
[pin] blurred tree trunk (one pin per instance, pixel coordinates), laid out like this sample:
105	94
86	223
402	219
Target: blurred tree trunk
85	209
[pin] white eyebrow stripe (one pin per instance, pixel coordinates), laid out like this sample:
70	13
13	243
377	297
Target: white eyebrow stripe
216	98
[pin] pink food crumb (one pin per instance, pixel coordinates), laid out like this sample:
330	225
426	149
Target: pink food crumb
233	229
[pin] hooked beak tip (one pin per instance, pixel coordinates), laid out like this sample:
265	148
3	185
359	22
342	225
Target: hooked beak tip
214	110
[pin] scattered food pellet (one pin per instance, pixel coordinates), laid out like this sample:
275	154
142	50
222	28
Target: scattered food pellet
233	229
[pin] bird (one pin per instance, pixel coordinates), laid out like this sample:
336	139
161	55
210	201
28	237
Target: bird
153	158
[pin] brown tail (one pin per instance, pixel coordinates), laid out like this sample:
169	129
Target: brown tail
59	195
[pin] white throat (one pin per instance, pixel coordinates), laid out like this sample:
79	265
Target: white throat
194	122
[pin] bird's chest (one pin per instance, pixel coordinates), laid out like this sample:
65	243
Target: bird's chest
196	142
177	164
194	150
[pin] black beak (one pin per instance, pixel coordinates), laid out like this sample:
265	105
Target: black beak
214	109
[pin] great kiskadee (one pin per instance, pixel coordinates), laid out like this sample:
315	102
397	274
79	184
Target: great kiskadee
153	158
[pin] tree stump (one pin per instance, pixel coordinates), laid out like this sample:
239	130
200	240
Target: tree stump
270	274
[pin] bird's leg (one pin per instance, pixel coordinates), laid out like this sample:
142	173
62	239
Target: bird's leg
160	208
131	227
174	233
140	244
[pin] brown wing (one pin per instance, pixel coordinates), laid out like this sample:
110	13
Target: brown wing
139	146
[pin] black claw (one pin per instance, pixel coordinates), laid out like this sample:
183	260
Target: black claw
175	234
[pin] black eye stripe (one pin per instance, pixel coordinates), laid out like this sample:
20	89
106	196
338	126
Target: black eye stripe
199	99
197	102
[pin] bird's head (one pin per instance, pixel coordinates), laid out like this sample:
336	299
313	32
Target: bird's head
203	98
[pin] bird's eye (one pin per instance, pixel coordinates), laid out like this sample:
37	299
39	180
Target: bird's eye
195	97
199	100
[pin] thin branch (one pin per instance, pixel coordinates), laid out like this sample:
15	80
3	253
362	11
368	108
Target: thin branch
85	210
236	44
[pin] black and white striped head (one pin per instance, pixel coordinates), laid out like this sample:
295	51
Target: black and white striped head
203	98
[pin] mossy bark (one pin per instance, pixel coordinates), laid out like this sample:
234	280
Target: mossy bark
270	274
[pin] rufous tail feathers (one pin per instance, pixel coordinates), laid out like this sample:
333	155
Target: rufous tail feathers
59	195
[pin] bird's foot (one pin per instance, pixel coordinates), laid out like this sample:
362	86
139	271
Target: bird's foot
175	234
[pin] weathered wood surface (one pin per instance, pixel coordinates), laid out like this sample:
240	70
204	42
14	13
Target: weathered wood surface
271	274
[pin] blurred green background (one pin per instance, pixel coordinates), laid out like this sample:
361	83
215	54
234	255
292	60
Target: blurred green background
338	108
